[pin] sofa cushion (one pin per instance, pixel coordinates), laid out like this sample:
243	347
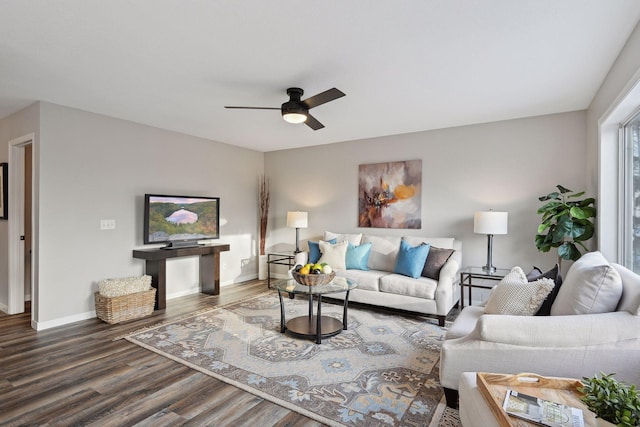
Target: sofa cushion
358	256
553	274
592	285
411	259
403	285
514	295
436	258
441	242
384	250
368	280
354	239
314	250
334	255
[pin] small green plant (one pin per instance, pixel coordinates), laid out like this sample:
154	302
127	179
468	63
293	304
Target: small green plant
566	223
612	400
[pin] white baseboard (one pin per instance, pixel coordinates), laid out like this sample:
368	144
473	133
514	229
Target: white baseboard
4	308
41	326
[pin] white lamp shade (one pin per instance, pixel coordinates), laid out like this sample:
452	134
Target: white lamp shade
490	222
297	219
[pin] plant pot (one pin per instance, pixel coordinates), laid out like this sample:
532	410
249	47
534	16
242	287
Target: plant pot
262	267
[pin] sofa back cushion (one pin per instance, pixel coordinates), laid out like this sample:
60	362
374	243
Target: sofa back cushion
630	300
384	250
592	286
355	239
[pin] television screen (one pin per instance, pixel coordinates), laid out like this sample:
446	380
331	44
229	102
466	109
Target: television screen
180	219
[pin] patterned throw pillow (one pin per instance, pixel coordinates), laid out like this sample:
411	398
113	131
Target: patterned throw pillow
553	274
516	296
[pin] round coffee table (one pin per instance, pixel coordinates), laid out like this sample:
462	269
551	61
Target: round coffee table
314	326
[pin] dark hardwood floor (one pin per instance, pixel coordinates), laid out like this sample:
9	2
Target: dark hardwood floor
78	375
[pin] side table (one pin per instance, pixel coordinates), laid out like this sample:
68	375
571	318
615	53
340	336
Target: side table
314	326
280	258
467	275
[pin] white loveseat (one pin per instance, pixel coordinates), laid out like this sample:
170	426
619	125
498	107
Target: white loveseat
566	345
380	286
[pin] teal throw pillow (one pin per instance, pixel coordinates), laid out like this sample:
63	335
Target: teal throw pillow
358	256
314	250
411	259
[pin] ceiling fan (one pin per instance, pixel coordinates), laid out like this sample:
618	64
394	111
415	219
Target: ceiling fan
297	111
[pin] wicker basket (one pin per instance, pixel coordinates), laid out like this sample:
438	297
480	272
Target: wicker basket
313	279
125	307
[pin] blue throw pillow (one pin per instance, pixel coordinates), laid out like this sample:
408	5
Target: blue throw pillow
411	260
314	250
358	256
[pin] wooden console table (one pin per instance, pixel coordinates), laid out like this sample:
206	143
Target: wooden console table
156	267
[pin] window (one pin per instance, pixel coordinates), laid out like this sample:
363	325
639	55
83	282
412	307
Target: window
631	200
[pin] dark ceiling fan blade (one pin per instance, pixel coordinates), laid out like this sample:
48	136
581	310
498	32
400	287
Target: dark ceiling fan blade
253	108
313	123
323	97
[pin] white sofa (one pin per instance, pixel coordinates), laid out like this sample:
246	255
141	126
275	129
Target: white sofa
380	286
566	345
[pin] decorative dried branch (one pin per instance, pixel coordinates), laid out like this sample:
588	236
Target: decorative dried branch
264	210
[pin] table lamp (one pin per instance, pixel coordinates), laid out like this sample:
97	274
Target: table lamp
297	220
490	223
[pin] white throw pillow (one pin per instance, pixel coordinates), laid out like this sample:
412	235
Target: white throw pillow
354	239
334	255
592	286
516	296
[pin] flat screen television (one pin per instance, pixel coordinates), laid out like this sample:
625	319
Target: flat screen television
180	221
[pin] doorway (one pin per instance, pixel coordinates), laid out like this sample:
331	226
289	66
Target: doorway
21	236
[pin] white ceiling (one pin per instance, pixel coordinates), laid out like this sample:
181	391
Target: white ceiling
405	66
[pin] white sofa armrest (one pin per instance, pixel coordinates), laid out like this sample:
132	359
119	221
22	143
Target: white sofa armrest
446	294
557	331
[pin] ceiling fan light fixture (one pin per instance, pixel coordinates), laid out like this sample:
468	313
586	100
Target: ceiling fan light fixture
295	117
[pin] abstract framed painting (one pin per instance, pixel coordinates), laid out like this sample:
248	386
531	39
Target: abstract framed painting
4	189
390	195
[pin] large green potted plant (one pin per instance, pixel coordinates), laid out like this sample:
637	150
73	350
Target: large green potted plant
566	223
611	400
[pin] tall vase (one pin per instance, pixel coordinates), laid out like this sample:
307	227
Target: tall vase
262	267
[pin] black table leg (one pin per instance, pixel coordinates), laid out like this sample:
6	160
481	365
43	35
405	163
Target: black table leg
344	311
282	322
319	322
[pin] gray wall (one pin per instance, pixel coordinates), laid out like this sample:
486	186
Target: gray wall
94	167
502	166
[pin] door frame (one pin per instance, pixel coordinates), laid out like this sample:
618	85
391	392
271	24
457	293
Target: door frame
16	226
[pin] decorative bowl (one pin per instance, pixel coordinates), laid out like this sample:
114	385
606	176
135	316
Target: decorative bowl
313	279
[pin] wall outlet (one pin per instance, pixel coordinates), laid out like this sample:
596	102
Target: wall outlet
107	224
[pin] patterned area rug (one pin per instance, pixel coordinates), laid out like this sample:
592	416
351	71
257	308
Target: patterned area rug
382	371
